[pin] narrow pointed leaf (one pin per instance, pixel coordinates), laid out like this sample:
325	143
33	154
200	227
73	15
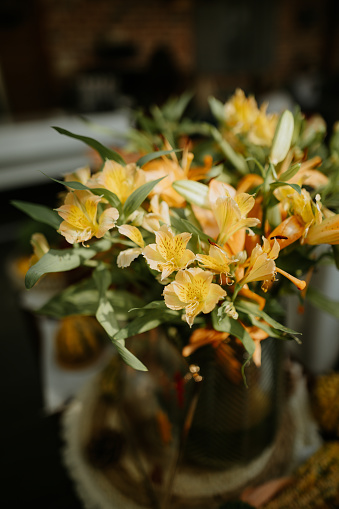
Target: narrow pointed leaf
274	185
105	313
98	191
182	225
236	159
253	309
104	152
154	155
139	196
288	174
217	108
128	357
39	213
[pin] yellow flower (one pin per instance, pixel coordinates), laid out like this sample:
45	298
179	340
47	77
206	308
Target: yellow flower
121	180
308	175
243	116
193	291
201	337
216	261
326	232
261	267
263	127
169	253
230	214
159	211
240	111
80	217
170	168
301	206
126	257
40	247
80	175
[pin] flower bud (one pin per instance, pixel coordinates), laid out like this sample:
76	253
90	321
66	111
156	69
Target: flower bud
282	137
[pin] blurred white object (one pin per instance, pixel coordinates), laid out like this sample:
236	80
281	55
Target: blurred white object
29	149
319	351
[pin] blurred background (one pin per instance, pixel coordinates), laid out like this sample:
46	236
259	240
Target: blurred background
61	60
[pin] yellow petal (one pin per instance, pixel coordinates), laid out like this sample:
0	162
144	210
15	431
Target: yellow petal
106	221
133	233
125	258
289	231
327	232
39	244
217	260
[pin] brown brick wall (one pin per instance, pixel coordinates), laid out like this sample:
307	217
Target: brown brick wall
74	27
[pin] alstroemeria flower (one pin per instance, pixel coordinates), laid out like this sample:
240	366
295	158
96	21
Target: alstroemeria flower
121	180
169	253
159	211
230	214
201	337
308	176
40	247
326	232
261	267
80	217
243	116
217	260
126	257
172	170
80	175
193	291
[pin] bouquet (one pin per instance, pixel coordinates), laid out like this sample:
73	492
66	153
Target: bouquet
204	228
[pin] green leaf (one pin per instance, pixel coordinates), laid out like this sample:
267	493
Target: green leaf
139	196
274	185
182	225
62	260
288	174
104	152
322	302
253	309
105	313
148	321
174	107
266	328
218	109
227	324
154	155
236	159
39	213
106	317
79	299
128	357
335	250
82	299
156	304
100	191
